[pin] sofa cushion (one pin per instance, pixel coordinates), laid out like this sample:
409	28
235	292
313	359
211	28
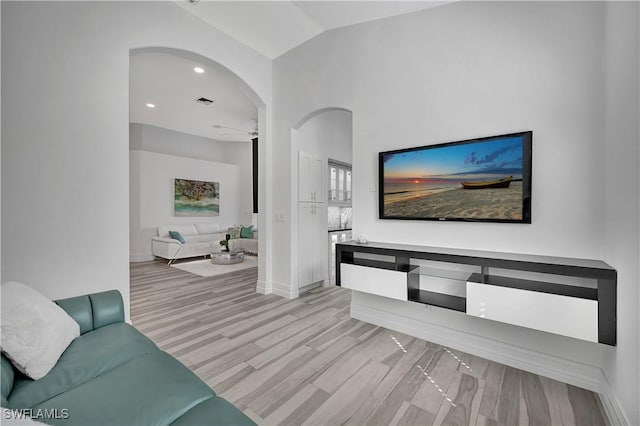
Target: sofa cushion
35	331
207	228
153	389
213	411
88	356
163	231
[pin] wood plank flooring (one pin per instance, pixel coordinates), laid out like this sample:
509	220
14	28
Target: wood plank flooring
305	361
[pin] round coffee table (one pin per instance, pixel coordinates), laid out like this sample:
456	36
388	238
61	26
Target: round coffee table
227	257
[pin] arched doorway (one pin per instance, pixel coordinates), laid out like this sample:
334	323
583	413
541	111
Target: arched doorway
321	147
188	146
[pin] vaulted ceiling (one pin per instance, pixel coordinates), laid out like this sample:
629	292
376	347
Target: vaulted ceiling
272	28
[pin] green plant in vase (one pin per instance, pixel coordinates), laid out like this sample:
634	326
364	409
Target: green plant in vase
225	245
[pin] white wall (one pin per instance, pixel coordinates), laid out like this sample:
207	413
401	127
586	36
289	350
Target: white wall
155	174
65	131
454	72
460	71
621	153
206	157
0	141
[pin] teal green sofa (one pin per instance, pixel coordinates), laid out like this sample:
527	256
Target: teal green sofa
114	375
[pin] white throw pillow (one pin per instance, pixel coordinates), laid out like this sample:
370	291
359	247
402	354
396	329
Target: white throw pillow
35	331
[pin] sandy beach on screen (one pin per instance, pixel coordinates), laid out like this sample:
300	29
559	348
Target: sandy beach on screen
494	203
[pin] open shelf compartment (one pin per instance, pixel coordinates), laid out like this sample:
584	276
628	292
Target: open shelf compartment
440	300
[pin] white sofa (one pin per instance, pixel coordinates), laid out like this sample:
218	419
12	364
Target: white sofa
200	240
249	245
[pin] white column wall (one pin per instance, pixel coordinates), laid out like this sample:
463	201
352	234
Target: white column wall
65	131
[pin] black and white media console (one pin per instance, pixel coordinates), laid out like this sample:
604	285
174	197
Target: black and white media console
585	312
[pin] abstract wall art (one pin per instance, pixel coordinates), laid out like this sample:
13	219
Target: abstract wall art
196	198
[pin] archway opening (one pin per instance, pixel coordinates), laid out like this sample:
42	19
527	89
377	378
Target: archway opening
192	120
322	154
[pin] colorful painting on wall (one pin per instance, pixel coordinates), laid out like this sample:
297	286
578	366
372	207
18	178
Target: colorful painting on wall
196	198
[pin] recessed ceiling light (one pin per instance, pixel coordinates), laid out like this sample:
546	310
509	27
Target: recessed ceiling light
199	70
151	105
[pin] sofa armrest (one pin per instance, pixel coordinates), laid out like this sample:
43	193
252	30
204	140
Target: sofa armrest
166	240
95	310
249	245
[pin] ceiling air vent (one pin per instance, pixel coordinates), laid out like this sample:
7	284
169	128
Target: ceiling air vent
204	101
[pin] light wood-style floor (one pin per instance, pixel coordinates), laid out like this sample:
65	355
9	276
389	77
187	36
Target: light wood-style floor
305	361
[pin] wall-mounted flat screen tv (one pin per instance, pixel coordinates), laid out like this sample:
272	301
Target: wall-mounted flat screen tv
478	180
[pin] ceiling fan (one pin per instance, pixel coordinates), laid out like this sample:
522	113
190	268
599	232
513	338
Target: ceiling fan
239	132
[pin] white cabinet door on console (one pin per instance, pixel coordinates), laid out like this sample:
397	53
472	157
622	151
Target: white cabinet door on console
382	282
568	316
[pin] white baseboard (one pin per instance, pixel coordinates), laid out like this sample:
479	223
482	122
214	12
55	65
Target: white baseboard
279	289
611	405
284	290
567	371
311	287
263	287
140	257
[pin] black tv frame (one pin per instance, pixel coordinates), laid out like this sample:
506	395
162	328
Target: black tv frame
527	142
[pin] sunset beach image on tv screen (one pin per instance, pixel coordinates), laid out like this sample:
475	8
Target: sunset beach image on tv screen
471	180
